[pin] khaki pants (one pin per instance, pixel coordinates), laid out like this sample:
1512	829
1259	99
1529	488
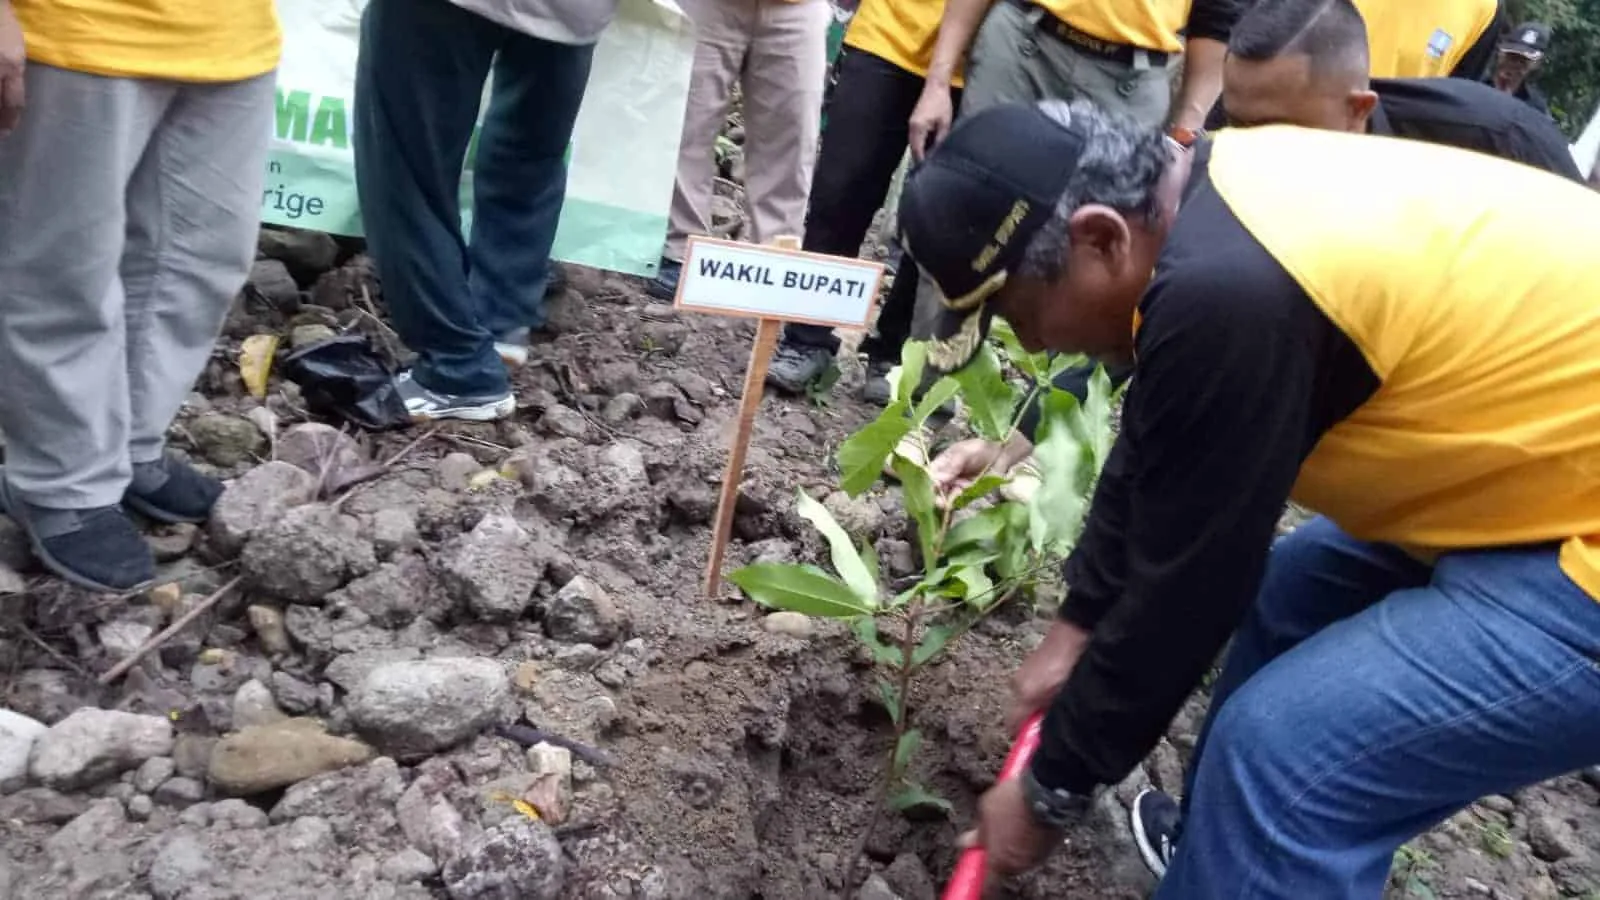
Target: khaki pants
776	50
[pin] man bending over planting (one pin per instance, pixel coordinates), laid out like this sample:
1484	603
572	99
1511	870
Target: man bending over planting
1330	318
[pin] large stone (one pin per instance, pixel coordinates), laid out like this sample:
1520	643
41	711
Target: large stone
517	858
94	744
394	531
583	613
431	823
266	757
307	553
270	279
226	440
255	499
393	595
18	734
322	450
494	568
41	806
409	709
358	803
306	254
347	672
11	581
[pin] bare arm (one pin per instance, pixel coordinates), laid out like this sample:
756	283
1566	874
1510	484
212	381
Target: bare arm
1202	82
930	121
13	58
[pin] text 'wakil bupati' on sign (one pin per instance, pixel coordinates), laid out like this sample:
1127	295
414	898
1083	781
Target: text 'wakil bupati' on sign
730	278
789	278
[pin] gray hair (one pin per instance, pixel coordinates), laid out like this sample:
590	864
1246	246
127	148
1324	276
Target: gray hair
1121	165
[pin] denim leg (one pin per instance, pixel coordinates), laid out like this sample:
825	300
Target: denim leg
520	177
419	79
1316	575
1385	723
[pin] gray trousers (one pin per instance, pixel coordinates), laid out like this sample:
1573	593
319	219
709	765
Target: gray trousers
128	218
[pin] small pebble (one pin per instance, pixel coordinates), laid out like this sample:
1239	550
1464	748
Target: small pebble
140	806
793	624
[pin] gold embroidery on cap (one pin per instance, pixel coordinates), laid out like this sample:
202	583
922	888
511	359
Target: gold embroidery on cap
954	351
1002	236
975	297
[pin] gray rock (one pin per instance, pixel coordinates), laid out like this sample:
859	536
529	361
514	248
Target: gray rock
18	734
861	517
266	757
151	775
140	806
428	819
342	287
395	594
236	813
256	499
94	744
102	818
909	878
292	695
41	806
322	451
323	633
358	804
171	542
394	531
348	671
253	705
564	421
305	254
226	440
180	792
196	816
267	622
270	279
583	613
1553	839
305	554
494	568
622	463
191	753
876	888
622	408
306	335
179	864
11	581
517	858
793	624
454	471
571	704
407	866
413	708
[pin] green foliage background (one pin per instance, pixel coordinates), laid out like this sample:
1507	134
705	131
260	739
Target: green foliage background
1571	76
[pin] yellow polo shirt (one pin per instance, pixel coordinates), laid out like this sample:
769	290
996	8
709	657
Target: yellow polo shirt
176	40
1151	24
900	31
1423	38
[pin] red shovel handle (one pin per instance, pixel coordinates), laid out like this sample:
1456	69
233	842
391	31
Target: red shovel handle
967	882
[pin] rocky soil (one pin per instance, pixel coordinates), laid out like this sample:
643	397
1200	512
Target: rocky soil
474	661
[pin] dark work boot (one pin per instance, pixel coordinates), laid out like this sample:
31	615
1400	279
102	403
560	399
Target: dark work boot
94	548
665	285
172	491
796	366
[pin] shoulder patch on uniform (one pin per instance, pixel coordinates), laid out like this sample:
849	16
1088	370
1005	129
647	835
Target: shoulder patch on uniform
1439	44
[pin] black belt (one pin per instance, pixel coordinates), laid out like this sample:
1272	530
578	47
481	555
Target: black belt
1119	53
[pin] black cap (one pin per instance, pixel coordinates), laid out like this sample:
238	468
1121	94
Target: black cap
970	208
1530	39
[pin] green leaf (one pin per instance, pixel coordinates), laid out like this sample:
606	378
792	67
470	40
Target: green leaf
862	455
866	629
904	749
980	590
905	378
933	642
980	529
846	558
799	588
869	559
1013	557
977	490
1092	425
891	701
916	492
1066	472
991	400
937	395
916	797
1035	365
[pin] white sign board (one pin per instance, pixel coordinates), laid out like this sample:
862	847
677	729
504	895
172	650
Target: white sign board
733	279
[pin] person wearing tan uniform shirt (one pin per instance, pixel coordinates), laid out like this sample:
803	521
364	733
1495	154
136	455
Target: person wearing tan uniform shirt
133	144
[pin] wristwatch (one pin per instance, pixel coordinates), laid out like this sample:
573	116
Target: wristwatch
1054	807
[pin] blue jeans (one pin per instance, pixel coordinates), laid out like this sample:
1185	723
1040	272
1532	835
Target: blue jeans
419	81
1367	698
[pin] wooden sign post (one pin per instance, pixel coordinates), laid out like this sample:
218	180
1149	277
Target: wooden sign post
773	285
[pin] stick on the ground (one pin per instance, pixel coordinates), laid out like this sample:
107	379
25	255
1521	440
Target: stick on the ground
166	634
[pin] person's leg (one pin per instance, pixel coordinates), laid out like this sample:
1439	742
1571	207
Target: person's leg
520	177
868	112
783	82
997	68
723	30
1142	93
64	408
1382	725
419	79
193	212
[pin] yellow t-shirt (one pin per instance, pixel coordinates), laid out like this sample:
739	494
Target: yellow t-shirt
177	40
1151	24
900	31
1423	38
1482	326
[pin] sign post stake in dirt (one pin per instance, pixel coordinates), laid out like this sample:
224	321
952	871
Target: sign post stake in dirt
773	285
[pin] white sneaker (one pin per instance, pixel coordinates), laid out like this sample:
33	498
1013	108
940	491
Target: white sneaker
428	406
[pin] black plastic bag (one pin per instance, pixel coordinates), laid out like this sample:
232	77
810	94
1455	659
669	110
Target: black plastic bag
345	378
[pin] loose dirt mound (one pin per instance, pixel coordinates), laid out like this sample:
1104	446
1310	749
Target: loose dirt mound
354	718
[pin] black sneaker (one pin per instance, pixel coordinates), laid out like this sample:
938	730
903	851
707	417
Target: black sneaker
94	548
876	390
665	285
795	366
172	492
1155	823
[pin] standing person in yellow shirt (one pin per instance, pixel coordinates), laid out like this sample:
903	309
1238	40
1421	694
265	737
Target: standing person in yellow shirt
133	145
1432	38
877	80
